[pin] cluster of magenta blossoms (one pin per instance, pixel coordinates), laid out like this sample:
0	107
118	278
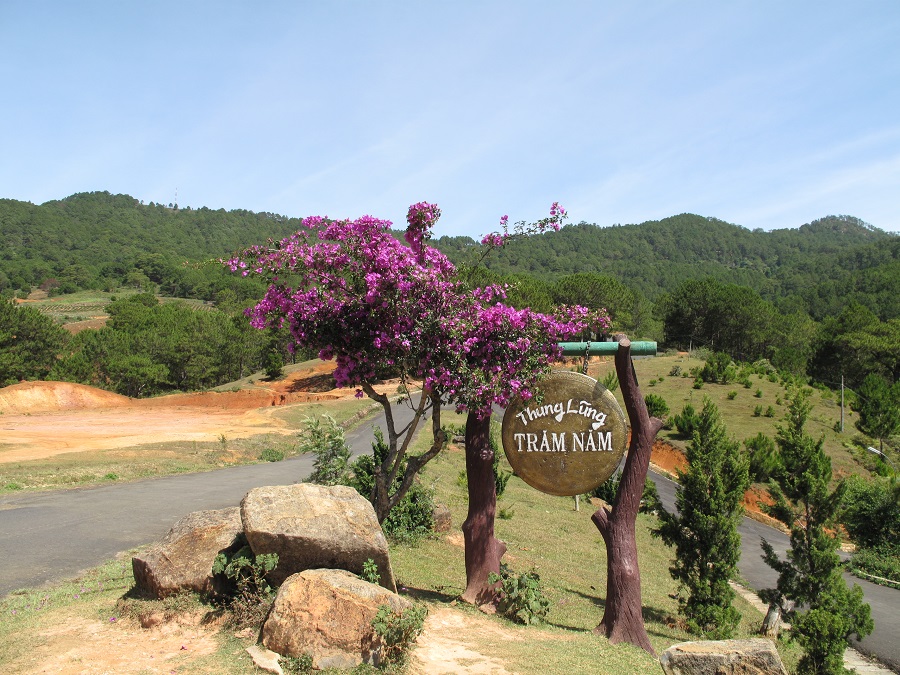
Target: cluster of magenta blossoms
379	308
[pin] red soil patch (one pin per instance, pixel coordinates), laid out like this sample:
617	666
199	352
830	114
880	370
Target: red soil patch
43	419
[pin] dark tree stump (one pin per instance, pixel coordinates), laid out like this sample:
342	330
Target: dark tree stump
483	549
622	619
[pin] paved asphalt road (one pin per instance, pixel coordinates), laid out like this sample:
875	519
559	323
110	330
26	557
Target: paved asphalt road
54	535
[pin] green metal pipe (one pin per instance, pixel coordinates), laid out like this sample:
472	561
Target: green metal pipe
606	348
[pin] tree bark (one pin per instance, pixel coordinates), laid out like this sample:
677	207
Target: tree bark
622	618
483	550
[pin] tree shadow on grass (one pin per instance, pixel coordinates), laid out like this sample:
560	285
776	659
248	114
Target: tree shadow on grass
443	594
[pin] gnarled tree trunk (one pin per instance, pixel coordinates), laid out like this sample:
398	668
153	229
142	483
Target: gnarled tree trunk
483	549
622	619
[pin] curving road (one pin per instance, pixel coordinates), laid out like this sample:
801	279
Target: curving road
49	536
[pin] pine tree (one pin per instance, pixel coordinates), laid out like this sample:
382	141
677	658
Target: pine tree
704	532
824	612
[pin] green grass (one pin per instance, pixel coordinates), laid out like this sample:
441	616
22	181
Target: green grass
85	305
844	449
546	535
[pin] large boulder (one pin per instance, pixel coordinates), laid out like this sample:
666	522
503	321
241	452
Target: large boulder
315	526
184	558
328	614
756	656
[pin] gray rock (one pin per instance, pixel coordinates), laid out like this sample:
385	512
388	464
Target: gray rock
328	614
265	659
756	656
183	559
315	526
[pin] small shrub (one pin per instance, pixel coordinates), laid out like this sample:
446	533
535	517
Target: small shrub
675	372
882	561
111	476
698	384
777	400
370	572
656	406
520	598
758	393
757	411
731	395
686	421
271	455
398	631
297	665
325	439
746	382
770	411
462	479
505	514
250	601
650	502
719	368
611	381
764	462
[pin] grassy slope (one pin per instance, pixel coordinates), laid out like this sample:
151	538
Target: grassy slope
544	534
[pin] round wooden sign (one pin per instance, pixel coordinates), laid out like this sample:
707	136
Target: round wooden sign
569	438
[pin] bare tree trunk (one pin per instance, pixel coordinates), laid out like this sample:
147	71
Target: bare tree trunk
483	550
622	618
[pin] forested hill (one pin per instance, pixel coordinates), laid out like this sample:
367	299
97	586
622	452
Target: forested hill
96	240
102	241
833	255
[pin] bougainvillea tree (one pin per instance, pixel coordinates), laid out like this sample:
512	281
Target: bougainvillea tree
380	309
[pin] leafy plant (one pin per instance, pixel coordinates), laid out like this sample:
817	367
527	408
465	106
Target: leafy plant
252	594
297	665
757	411
686	421
763	456
325	439
413	516
770	411
656	406
731	395
271	455
398	631
610	381
370	572
520	597
758	393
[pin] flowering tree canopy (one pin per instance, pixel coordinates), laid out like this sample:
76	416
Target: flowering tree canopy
352	291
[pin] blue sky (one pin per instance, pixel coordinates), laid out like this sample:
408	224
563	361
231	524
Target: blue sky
765	114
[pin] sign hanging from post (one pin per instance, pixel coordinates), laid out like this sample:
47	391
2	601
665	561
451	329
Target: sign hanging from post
569	438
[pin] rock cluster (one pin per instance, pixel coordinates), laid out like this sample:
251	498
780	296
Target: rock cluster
322	535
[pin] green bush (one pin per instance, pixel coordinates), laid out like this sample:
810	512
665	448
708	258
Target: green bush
757	411
297	665
520	597
325	439
656	406
758	393
870	511
272	455
763	456
413	516
398	631
731	395
881	561
370	572
650	502
719	369
770	412
610	381
251	595
686	421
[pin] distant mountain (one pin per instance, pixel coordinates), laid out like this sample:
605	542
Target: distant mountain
96	240
100	240
840	253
